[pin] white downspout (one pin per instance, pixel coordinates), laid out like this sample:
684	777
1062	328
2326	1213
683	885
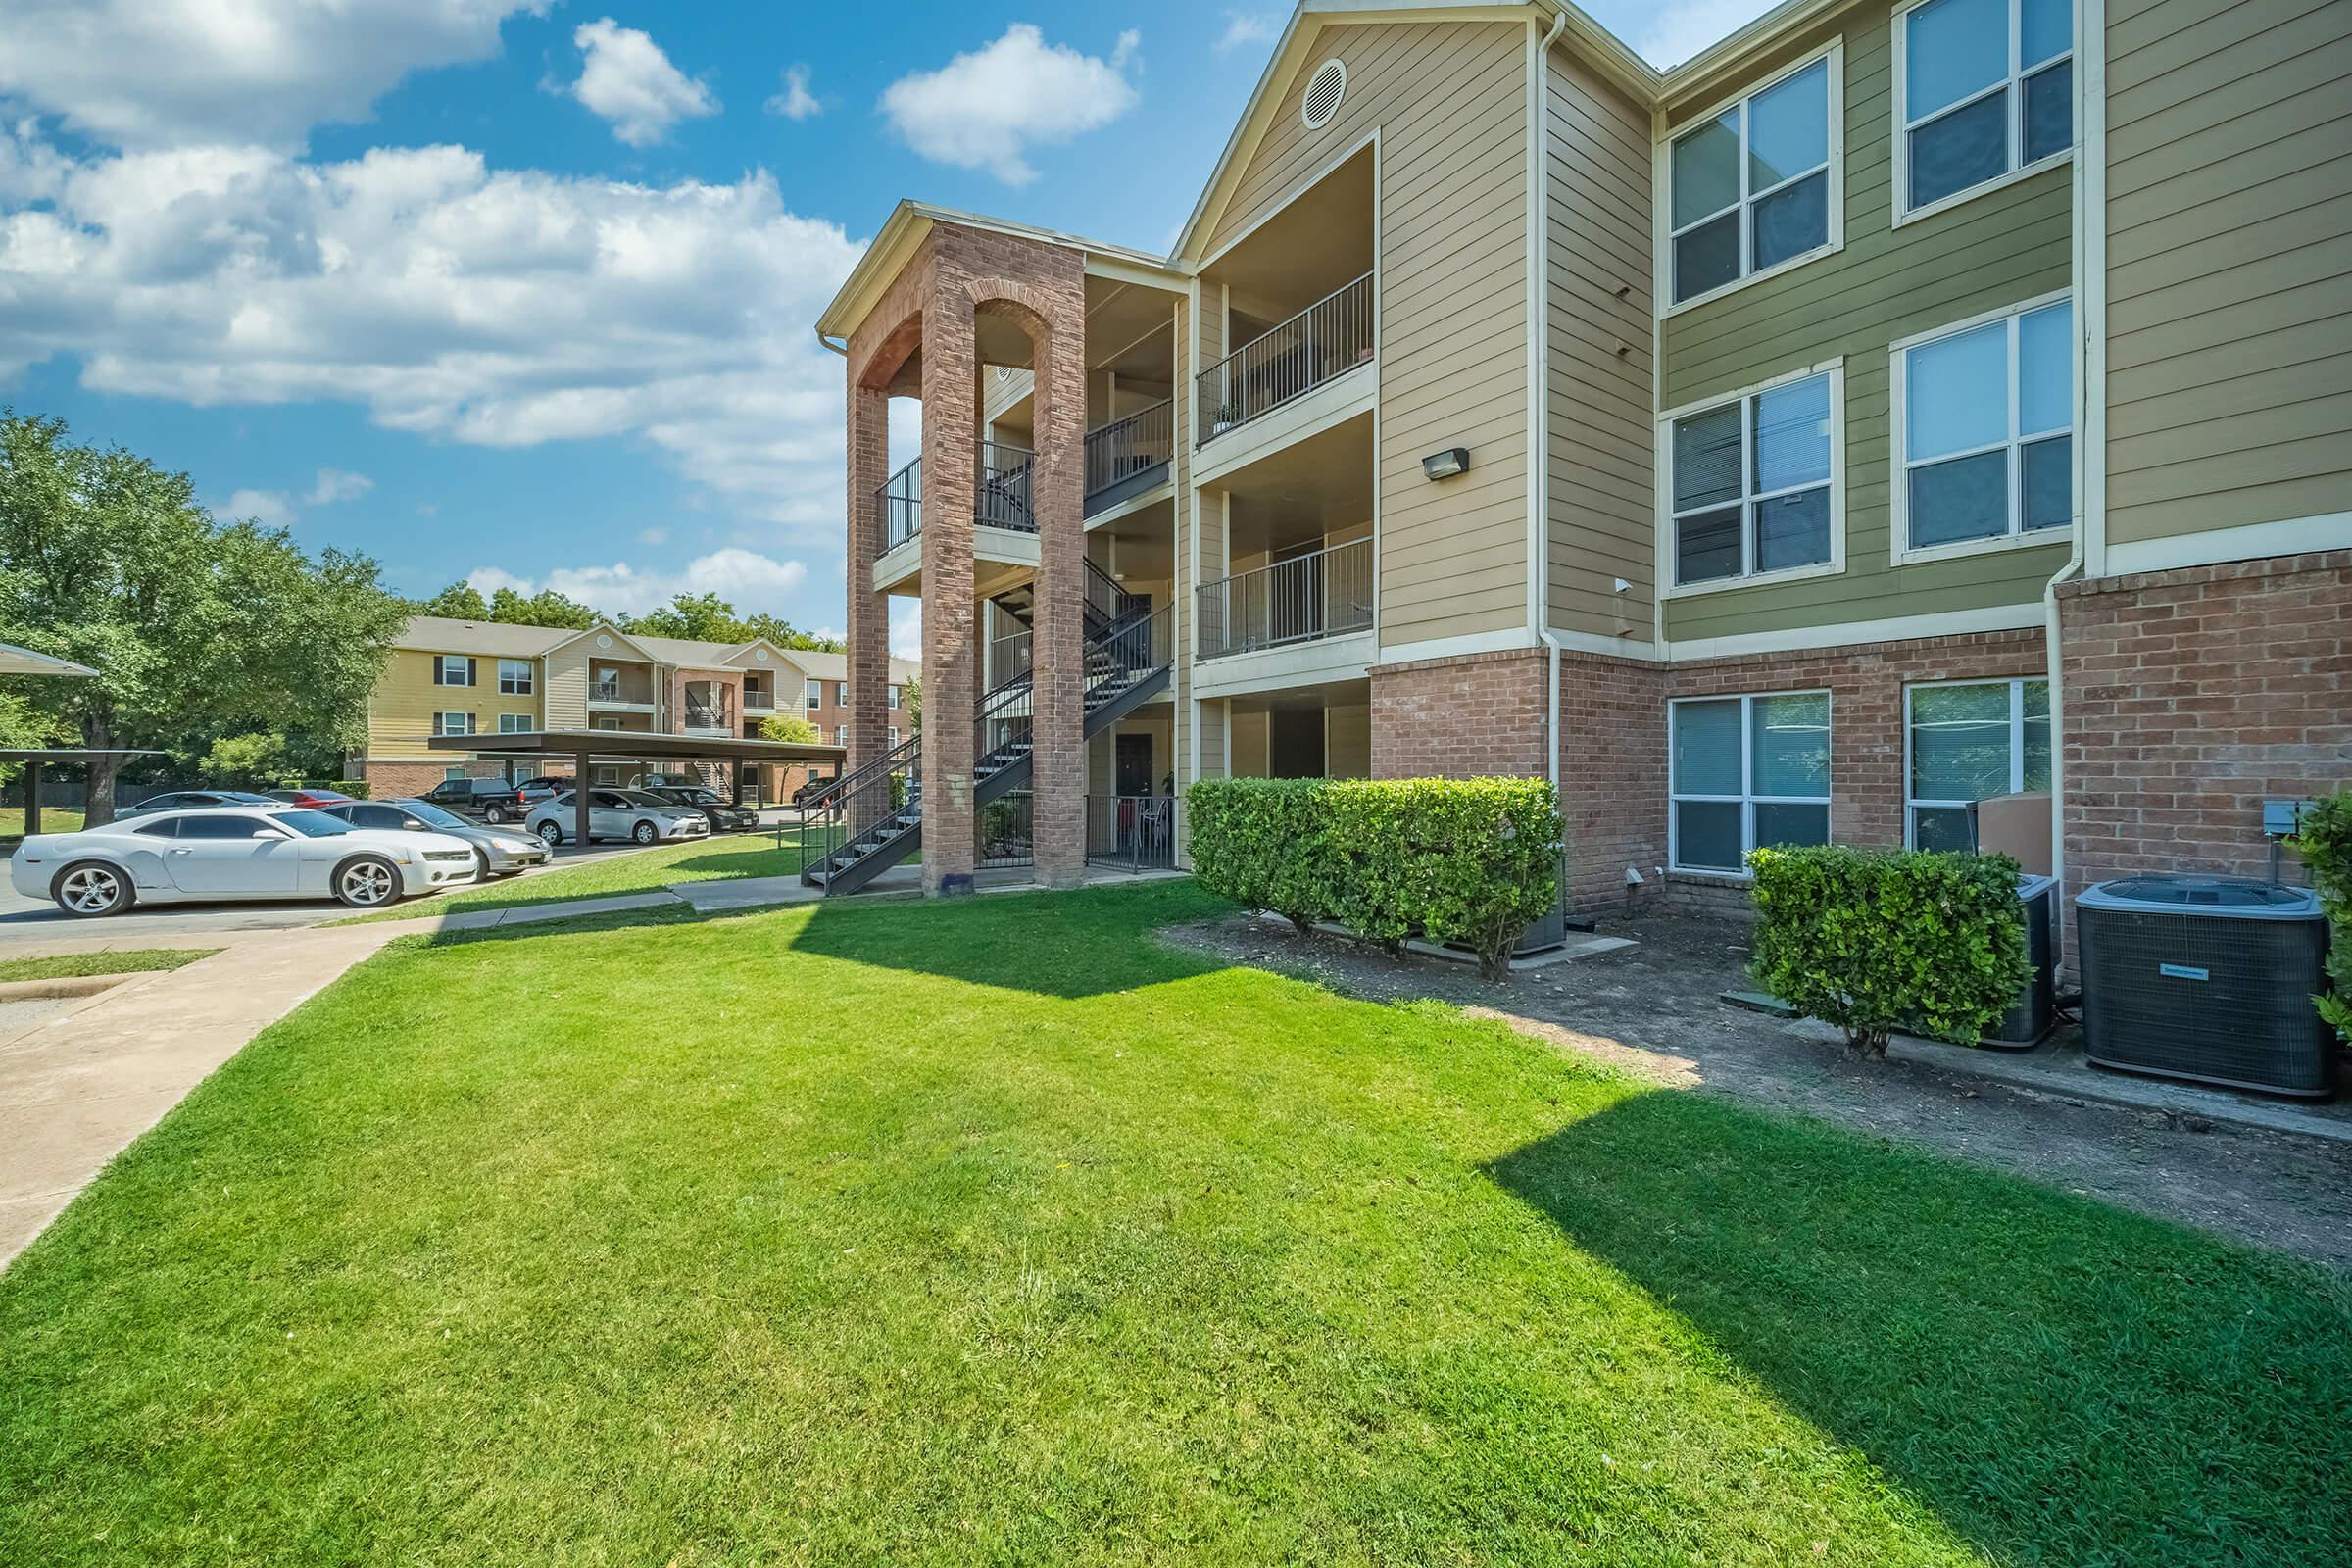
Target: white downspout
1540	416
2049	613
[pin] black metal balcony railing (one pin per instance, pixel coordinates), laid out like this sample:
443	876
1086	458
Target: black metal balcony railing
1129	455
1328	338
1327	593
1001	494
709	715
1004	832
902	504
1009	654
614	691
1135	831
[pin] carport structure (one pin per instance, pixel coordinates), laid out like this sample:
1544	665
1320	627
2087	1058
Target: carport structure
36	759
582	748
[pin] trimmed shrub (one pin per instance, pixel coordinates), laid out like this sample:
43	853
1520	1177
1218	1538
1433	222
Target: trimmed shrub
2323	837
1468	861
1877	940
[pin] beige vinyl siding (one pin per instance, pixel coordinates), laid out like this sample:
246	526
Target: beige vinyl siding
566	678
1985	253
1448	101
1597	276
2229	264
1347	741
1253	743
401	710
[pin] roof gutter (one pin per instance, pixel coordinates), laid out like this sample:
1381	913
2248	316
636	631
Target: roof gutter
841	348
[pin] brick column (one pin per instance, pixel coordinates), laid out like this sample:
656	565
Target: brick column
1058	645
869	610
951	664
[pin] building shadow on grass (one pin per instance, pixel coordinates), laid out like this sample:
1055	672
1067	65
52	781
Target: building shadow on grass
2062	1382
1086	943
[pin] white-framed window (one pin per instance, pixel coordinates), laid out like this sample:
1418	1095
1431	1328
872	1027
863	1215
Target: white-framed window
816	695
894	734
451	772
453	669
453	723
1983	89
841	693
1745	771
1755	187
1753	488
514	677
1985	450
841	735
1964	741
894	697
514	724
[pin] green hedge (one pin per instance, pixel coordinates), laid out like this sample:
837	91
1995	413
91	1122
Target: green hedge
1876	940
1470	860
2323	837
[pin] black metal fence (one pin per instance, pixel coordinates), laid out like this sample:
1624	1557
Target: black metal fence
1137	832
1003	833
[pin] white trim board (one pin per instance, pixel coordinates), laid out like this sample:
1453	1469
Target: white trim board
2256	541
1897	629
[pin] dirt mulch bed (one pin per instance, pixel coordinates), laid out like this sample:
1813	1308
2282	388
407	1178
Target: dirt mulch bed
1653	1011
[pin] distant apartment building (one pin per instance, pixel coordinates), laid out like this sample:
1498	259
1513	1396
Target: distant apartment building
1894	406
447	677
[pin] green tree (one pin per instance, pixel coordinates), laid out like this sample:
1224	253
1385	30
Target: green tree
192	624
243	759
546	607
24	727
790	728
460	601
911	703
708	618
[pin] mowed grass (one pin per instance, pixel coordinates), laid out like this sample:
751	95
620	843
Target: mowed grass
75	965
998	1231
720	857
54	819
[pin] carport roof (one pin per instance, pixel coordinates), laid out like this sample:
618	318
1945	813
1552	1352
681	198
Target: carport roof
638	744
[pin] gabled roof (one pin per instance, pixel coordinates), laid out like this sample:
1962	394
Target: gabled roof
440	634
910	221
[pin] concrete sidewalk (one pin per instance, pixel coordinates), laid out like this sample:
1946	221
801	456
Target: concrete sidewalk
79	1084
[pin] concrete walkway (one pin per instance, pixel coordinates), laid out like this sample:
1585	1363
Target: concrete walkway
79	1084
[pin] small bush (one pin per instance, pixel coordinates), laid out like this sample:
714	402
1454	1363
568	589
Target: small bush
1471	860
2324	839
1876	940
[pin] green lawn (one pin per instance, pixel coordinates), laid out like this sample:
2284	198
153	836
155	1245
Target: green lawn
998	1233
74	965
723	857
54	819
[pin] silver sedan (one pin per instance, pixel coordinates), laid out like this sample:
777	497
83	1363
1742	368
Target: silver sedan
499	852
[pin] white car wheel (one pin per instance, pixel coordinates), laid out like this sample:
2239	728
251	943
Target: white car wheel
367	883
92	889
645	833
494	814
551	833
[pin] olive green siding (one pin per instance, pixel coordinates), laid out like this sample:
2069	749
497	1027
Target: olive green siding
2229	264
1600	493
1886	283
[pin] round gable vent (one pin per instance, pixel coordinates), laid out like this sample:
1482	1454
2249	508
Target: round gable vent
1324	90
602	641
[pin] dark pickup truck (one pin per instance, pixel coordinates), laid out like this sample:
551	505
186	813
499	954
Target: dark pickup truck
493	799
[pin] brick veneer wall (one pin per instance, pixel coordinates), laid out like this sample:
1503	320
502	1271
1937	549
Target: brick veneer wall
1612	778
1482	713
2193	696
393	780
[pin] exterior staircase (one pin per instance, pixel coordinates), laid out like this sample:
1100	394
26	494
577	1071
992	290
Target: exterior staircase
1128	662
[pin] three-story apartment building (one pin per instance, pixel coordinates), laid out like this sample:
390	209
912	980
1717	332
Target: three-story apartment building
1894	406
447	677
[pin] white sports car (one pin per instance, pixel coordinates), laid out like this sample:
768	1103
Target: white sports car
235	851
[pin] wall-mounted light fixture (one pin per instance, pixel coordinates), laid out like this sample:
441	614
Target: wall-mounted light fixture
1446	463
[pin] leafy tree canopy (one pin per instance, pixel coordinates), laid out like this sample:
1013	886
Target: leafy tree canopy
192	624
507	606
707	618
790	728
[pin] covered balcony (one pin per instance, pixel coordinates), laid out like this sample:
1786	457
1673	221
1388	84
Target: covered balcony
1304	597
1001	498
1299	297
709	708
1288	562
621	685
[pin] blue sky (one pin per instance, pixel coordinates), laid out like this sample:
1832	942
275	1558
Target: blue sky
522	289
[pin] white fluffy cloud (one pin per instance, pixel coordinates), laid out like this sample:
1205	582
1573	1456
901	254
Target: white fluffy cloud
501	309
986	108
626	80
746	579
153	72
794	100
1248	26
276	509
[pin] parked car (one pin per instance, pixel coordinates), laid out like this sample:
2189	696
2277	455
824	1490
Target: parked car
176	799
809	792
497	852
724	815
494	800
235	851
545	787
315	800
615	814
